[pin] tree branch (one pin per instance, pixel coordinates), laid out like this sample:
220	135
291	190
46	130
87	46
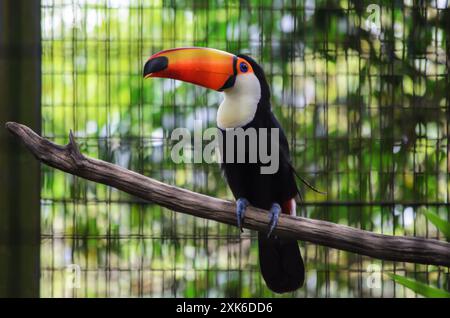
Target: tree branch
69	159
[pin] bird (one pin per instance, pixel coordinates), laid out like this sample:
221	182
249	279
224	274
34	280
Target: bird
246	105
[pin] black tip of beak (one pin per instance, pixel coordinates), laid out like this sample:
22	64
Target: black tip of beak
155	65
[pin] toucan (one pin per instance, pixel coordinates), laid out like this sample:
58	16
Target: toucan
246	105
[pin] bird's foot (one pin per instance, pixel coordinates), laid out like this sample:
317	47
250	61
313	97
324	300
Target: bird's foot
241	206
274	212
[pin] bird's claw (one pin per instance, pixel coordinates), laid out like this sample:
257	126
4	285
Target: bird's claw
241	206
274	212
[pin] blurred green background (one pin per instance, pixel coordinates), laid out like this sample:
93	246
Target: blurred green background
366	111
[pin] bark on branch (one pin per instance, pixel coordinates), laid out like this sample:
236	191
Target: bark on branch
69	159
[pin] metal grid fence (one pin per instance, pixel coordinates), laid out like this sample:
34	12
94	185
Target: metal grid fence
365	107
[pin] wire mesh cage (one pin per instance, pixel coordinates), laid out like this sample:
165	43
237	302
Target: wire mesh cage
364	105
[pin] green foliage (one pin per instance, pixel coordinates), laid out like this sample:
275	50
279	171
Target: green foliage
441	224
420	288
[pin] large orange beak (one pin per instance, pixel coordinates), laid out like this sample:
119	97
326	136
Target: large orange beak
206	67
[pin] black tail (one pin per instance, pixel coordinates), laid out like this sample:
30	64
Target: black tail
281	263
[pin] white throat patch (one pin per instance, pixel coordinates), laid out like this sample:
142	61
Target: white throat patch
240	103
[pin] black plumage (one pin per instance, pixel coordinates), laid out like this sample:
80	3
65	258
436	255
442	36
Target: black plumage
280	259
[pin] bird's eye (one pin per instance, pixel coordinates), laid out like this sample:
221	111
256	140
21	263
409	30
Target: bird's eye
244	67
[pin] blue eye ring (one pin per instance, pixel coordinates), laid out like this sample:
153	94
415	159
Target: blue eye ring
243	67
